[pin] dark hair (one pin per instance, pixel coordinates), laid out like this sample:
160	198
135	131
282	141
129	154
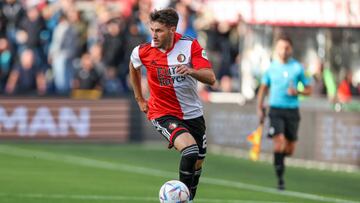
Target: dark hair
284	37
167	16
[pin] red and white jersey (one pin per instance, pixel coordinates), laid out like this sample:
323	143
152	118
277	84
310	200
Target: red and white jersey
172	93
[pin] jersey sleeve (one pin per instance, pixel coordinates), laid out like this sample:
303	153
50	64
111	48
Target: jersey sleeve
135	58
199	58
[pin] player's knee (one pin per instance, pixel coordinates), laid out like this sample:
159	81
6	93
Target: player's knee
183	140
189	157
191	152
279	147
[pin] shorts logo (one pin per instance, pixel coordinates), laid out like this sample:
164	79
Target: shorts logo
172	126
181	58
271	130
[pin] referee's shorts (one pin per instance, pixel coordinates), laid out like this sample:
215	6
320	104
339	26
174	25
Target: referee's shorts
284	121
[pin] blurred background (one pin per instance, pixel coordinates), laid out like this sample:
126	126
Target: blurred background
70	130
64	70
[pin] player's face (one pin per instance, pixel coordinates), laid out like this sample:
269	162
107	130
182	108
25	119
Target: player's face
161	34
283	50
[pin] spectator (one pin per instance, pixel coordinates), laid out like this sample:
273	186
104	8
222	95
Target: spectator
319	88
133	38
26	78
51	17
113	44
13	12
96	56
186	19
86	77
63	50
346	89
2	22
29	34
112	84
80	26
5	62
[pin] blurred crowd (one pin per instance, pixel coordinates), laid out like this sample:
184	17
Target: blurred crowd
53	47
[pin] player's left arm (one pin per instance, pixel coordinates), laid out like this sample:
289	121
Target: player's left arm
204	75
201	68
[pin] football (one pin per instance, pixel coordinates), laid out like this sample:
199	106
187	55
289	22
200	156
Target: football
174	191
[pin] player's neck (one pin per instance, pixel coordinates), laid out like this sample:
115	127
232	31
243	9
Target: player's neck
169	43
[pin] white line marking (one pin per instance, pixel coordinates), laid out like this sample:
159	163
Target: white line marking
159	173
119	198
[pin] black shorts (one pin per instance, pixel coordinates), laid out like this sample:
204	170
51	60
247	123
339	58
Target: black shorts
284	121
171	127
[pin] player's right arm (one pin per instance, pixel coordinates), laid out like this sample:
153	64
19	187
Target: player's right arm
135	79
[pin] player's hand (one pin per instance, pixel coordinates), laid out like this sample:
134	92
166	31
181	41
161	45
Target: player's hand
184	70
143	105
292	91
261	114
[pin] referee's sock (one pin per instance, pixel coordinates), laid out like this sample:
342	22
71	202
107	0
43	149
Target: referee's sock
189	156
279	166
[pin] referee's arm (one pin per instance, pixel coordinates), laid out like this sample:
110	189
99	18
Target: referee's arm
263	90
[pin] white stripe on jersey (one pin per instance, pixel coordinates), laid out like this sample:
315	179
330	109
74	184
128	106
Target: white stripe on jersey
186	90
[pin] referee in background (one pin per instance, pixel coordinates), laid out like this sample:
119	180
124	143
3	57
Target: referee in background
280	81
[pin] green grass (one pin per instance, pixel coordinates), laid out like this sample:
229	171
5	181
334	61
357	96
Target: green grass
94	173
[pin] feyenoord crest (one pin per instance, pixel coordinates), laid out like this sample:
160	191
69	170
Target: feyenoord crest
172	126
181	58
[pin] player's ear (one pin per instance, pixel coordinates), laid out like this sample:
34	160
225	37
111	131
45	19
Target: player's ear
173	29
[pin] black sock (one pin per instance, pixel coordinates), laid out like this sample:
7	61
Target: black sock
189	156
195	182
279	166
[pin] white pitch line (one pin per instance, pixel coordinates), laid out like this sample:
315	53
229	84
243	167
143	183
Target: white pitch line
119	198
77	160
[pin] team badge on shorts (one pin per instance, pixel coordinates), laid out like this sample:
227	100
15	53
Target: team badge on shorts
181	58
172	126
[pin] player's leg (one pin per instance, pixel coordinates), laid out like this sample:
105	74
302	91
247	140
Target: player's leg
177	133
291	129
291	125
279	158
276	132
197	175
197	129
186	144
289	148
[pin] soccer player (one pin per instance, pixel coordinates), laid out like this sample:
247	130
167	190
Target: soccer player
174	63
281	79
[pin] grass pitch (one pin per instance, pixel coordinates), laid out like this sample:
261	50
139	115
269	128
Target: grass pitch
94	173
